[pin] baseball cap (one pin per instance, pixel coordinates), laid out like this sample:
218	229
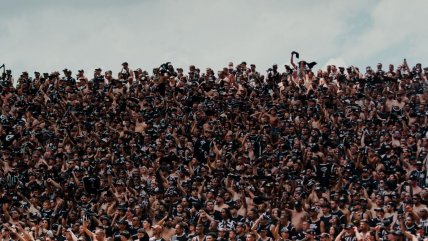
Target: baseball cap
349	226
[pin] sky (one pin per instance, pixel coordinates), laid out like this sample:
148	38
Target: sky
49	36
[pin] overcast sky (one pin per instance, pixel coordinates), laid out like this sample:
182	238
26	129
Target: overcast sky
53	35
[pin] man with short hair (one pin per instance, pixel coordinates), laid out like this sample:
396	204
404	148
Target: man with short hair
200	236
211	237
325	237
240	231
180	234
337	212
211	211
157	232
125	236
126	71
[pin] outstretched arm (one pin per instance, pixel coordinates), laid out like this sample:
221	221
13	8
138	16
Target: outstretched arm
292	59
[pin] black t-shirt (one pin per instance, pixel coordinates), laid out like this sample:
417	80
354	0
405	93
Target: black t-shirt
315	225
145	237
133	231
349	238
368	184
215	214
46	213
91	184
241	238
340	215
61	238
237	219
326	220
324	172
183	237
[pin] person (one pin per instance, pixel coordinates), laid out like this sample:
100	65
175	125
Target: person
142	235
99	234
347	234
210	237
240	231
157	232
125	236
126	72
325	237
180	234
250	237
200	236
170	147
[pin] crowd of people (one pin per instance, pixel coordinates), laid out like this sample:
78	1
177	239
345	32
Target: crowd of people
233	155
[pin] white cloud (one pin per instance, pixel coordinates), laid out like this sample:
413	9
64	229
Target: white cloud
397	31
48	37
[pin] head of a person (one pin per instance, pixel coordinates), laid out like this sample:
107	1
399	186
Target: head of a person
125	235
285	233
326	209
250	237
232	234
364	224
325	237
225	213
100	234
240	228
409	221
263	232
199	229
179	229
211	237
146	224
395	235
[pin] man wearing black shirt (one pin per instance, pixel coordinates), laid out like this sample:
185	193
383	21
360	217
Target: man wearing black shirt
240	232
200	236
211	211
91	183
157	231
179	235
135	226
418	175
46	211
367	181
194	198
314	221
325	219
336	211
324	171
121	227
234	214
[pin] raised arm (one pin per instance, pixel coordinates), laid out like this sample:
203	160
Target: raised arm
292	59
87	231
